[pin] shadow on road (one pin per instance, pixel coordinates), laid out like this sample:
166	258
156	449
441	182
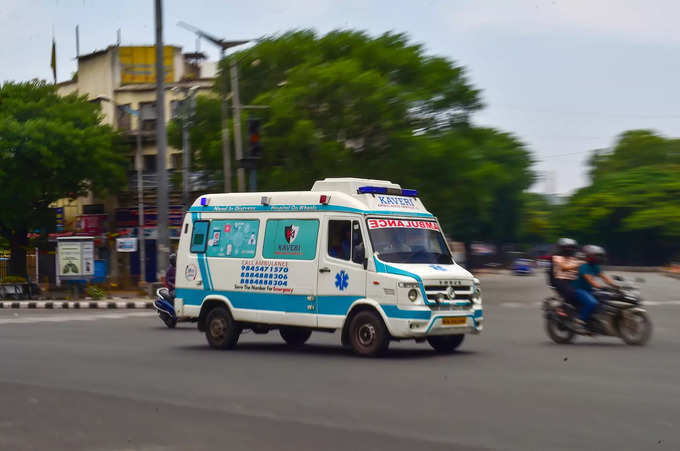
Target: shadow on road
326	350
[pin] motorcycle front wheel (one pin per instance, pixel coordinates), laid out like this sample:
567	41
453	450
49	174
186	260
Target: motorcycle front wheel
558	332
635	328
168	320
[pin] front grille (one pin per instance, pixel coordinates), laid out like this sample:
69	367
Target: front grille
439	293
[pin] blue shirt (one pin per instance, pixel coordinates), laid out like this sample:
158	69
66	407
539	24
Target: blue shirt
591	269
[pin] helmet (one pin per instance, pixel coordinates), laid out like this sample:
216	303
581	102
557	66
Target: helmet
567	246
594	254
172	259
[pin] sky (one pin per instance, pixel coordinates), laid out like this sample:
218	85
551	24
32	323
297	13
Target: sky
565	77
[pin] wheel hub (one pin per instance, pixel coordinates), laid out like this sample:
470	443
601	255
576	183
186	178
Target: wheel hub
366	334
217	327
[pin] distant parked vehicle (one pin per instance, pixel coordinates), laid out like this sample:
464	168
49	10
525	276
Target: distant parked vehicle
522	267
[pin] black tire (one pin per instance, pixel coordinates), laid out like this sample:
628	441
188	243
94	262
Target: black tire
295	336
445	344
368	334
636	329
168	320
221	330
558	332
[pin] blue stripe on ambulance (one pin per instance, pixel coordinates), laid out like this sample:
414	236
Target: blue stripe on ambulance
300	209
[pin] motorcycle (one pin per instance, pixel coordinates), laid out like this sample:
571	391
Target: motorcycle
164	305
619	314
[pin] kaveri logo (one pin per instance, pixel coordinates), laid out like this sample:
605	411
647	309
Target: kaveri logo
291	233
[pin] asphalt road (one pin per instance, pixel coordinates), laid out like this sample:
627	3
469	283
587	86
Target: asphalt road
101	380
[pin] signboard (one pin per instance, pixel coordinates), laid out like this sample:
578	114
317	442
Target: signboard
59	214
138	64
75	257
92	224
126	244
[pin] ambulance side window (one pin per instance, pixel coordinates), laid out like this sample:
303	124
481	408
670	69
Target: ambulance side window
340	239
199	236
358	250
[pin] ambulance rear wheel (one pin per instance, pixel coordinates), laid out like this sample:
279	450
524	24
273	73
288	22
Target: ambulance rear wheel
445	344
221	330
295	336
368	334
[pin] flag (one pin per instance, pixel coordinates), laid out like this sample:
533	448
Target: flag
53	62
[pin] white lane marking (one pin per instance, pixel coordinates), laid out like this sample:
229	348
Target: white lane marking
72	317
539	304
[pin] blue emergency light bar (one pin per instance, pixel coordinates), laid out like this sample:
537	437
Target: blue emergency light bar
204	201
385	190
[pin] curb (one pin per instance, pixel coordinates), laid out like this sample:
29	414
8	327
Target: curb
674	275
75	305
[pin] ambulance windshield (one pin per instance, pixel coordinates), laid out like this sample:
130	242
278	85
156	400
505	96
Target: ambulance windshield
408	241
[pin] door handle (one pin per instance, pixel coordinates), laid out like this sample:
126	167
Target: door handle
324	269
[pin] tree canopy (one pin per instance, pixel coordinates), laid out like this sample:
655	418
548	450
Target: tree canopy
348	104
51	147
633	202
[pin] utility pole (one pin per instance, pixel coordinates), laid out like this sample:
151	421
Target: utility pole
187	113
238	138
162	244
226	154
139	165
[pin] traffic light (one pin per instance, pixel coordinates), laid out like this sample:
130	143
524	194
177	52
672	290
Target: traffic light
254	146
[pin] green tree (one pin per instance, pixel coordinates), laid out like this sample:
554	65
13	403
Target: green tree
347	104
51	148
633	202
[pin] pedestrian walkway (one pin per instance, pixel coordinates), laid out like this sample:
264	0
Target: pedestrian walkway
66	317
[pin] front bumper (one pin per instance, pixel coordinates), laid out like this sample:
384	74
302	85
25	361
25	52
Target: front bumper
424	327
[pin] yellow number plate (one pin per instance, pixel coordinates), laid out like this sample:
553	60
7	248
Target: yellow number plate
454	321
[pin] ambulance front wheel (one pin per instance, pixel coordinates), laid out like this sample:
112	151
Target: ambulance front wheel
295	336
368	334
445	344
221	330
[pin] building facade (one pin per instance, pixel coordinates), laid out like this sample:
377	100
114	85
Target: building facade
122	80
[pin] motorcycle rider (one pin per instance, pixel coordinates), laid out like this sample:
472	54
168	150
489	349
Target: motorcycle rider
565	267
586	282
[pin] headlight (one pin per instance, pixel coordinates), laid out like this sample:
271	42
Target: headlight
413	295
408	284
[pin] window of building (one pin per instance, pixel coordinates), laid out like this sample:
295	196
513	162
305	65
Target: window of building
176	160
291	239
149	163
199	236
123	117
233	238
147	114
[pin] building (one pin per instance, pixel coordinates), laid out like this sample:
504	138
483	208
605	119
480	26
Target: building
122	80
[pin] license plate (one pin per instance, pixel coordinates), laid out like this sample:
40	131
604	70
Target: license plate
454	321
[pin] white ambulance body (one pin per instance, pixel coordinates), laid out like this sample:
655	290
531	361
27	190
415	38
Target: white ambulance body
361	256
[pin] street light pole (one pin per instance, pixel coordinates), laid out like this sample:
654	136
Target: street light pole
238	139
163	244
226	155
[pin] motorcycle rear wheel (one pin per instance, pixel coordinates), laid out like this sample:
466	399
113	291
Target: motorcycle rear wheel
636	329
558	333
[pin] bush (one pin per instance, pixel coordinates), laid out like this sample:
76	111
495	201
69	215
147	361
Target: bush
95	292
13	279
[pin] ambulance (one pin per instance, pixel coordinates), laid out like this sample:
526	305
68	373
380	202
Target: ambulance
357	256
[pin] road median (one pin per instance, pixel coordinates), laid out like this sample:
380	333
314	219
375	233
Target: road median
78	305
